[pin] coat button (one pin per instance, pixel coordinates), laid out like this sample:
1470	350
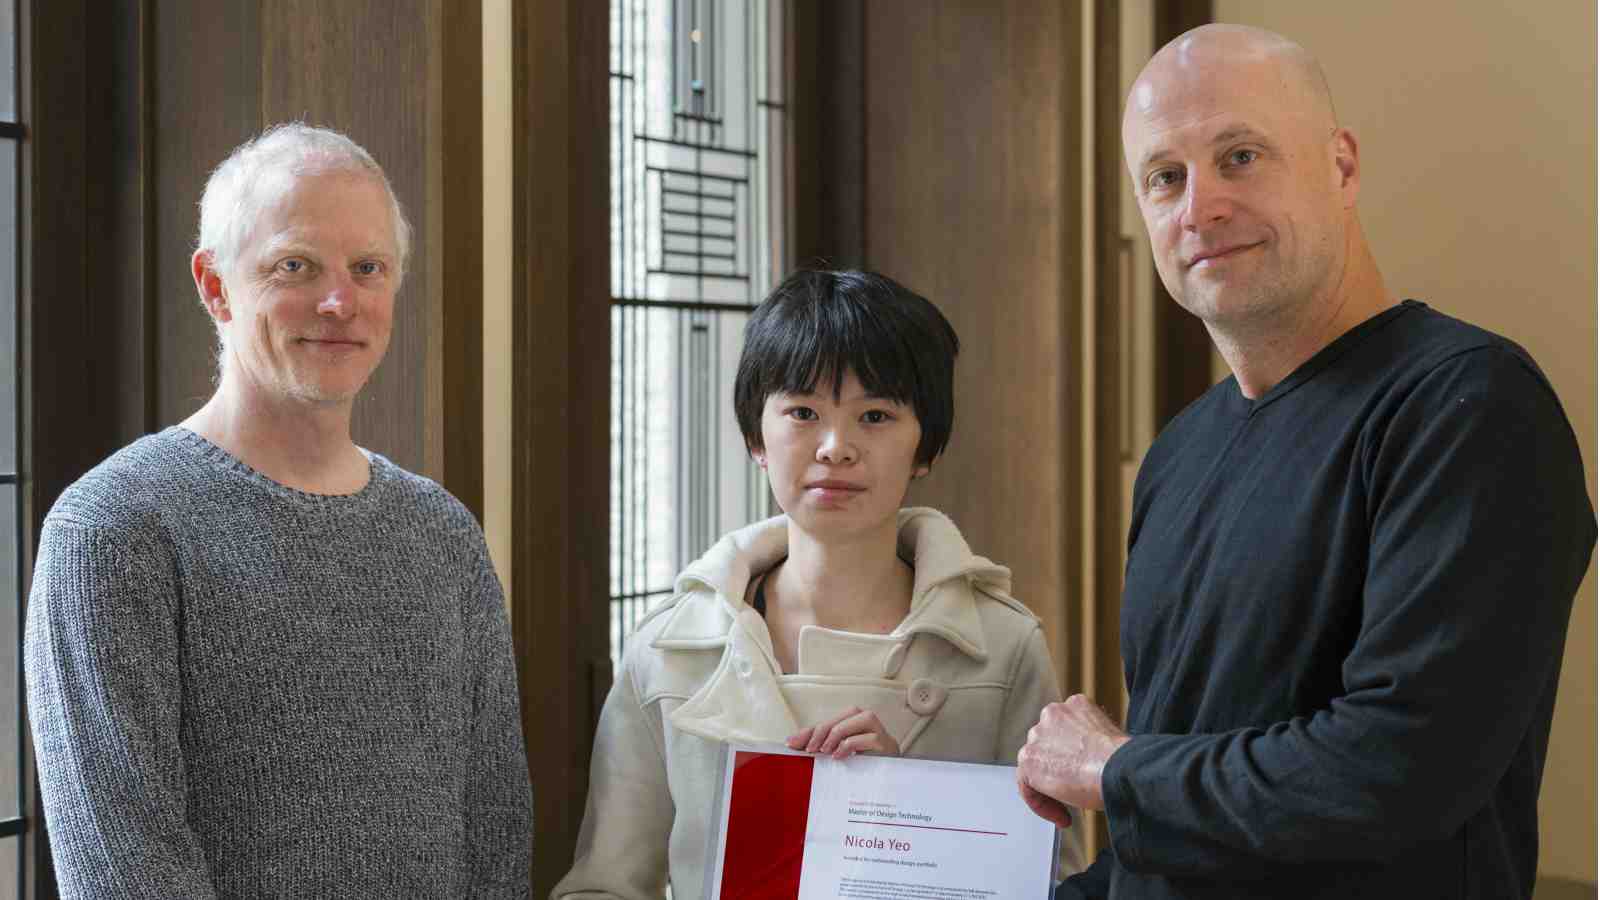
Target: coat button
925	696
742	667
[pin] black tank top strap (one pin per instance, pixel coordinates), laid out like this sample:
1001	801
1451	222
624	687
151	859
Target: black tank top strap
759	601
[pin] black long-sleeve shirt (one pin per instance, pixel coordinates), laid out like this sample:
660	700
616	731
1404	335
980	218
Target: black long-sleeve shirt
1342	627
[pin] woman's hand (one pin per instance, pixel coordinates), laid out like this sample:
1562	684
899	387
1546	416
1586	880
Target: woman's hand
856	730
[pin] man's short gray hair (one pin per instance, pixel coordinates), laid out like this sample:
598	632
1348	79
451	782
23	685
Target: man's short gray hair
234	196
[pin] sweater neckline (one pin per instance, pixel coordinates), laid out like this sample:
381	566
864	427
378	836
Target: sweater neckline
225	462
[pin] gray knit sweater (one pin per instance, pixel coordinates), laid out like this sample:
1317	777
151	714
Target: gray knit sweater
239	690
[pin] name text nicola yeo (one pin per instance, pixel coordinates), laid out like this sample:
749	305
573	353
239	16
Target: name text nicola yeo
877	843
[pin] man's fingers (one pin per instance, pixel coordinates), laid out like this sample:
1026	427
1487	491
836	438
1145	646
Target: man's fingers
1045	806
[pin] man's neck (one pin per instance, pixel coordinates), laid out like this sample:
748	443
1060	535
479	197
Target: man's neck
1264	351
860	585
300	445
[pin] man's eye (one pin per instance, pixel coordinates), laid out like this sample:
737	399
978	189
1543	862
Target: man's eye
292	266
370	267
875	416
1242	157
1163	178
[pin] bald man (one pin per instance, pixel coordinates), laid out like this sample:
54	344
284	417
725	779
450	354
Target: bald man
1350	565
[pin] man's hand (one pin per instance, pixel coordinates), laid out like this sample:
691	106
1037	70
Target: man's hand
1060	765
854	731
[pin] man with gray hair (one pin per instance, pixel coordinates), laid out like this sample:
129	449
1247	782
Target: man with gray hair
262	661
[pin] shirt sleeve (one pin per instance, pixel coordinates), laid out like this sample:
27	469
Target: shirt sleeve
1480	531
499	803
627	823
1093	883
104	699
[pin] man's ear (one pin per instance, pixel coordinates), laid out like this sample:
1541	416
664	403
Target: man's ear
208	284
1347	159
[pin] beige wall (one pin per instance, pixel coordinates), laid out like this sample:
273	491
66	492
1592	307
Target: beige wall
497	252
1476	124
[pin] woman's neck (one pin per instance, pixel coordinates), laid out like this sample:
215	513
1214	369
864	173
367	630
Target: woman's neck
858	585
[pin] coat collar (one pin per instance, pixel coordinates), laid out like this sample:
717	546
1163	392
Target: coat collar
711	590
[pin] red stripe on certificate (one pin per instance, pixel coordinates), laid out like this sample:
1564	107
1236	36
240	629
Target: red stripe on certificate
925	827
766	826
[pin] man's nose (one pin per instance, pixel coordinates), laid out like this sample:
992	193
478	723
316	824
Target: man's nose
1207	200
836	448
339	298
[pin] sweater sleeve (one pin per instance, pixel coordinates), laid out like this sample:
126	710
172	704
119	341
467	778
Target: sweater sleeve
627	824
499	803
1480	531
105	699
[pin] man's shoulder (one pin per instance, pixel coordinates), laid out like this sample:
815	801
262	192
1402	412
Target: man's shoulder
1429	345
130	490
425	503
1424	337
421	495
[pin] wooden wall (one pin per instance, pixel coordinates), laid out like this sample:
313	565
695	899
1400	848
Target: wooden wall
1182	358
972	150
560	399
944	145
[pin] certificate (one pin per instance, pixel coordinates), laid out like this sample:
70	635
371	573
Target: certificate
798	827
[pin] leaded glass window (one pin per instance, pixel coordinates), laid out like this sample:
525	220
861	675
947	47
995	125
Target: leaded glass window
699	206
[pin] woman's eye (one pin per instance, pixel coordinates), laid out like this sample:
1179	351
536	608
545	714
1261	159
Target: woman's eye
803	413
1242	157
292	266
875	416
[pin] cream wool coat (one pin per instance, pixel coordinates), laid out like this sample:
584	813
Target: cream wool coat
962	677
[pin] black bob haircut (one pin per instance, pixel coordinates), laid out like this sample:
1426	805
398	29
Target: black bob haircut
818	325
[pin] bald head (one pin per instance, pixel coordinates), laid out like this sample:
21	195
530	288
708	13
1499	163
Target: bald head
1219	57
1244	178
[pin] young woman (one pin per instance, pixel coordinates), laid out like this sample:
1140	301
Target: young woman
845	625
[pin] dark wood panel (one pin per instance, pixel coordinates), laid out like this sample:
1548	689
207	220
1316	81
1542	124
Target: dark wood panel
116	202
964	185
560	395
1110	390
204	100
58	445
828	99
589	369
453	419
1182	346
1073	542
365	72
